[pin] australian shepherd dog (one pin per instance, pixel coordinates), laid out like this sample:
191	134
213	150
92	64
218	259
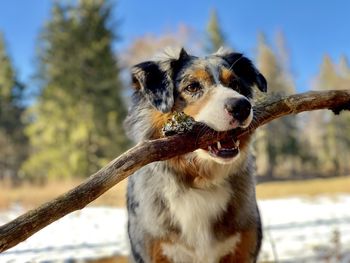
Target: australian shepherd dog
199	207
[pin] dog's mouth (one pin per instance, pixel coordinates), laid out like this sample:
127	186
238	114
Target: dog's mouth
225	149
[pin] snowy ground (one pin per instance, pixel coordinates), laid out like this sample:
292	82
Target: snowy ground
295	230
306	230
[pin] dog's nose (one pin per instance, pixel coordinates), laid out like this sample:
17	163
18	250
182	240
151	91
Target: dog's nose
239	108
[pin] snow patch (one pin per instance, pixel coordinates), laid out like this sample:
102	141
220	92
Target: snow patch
295	230
91	233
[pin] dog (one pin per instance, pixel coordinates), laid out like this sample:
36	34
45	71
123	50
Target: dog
199	207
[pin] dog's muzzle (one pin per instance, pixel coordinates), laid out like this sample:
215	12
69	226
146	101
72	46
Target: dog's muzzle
238	108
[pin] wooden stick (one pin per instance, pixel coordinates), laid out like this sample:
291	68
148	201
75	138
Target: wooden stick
146	152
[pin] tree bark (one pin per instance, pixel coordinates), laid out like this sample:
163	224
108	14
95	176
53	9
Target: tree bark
200	136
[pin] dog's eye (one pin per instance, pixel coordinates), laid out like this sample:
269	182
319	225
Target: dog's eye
234	84
193	87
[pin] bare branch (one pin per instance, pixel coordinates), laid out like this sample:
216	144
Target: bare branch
146	152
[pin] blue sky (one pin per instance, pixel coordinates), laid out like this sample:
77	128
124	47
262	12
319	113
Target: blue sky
312	28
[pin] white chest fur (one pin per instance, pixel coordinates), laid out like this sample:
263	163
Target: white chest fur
194	210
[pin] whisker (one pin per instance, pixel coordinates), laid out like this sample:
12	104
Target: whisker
234	63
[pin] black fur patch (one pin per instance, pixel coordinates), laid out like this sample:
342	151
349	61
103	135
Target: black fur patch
155	83
132	204
136	256
245	70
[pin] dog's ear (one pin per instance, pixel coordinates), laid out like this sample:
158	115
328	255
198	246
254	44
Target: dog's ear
155	80
155	83
245	69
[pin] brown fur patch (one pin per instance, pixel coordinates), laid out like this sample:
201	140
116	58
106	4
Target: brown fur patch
245	250
156	251
189	172
155	248
203	75
194	108
136	85
158	119
226	76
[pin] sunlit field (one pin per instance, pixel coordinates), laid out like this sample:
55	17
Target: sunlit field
31	196
309	188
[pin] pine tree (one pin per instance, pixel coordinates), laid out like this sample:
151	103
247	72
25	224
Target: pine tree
328	77
216	38
77	125
334	140
12	139
277	143
344	68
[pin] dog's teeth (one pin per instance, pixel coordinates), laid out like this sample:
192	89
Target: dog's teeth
219	145
236	144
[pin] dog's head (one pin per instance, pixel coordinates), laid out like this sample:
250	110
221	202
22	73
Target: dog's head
215	90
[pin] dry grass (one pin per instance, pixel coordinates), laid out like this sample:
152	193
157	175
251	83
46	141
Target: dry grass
31	196
328	186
